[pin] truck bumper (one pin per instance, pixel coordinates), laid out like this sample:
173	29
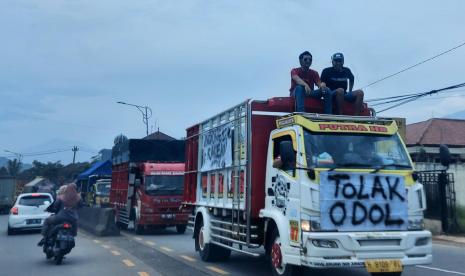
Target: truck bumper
169	219
353	249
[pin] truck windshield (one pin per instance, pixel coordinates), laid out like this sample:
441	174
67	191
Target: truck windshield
164	184
104	188
341	150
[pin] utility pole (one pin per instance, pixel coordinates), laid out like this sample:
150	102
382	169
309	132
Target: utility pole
74	149
146	114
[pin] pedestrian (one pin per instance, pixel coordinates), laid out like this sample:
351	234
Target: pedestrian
303	80
336	79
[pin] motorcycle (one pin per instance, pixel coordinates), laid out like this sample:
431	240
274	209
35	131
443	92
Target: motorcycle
59	242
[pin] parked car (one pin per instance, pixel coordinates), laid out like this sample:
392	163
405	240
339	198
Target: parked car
28	212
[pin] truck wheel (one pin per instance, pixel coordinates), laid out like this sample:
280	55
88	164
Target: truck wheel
278	268
181	229
205	249
139	229
210	252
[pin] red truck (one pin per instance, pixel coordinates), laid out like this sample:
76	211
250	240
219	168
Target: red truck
147	184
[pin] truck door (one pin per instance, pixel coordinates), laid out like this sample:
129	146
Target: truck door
285	183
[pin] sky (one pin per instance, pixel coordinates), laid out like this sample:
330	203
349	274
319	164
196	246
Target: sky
65	64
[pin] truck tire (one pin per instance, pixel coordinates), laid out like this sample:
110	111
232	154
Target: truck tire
278	268
210	252
181	228
138	229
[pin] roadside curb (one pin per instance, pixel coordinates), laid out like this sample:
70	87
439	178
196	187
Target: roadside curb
457	240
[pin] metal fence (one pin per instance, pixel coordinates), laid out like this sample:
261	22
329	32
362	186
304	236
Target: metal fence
440	202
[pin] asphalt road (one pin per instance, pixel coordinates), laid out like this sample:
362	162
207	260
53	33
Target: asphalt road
449	259
20	255
164	252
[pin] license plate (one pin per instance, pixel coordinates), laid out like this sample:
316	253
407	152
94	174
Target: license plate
383	266
33	221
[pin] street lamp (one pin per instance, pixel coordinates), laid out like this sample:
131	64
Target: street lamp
18	155
146	114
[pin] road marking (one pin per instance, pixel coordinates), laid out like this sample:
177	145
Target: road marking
217	270
105	246
97	241
190	259
116	253
442	270
143	274
166	248
150	243
128	263
137	238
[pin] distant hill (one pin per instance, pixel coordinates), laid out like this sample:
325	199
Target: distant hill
457	115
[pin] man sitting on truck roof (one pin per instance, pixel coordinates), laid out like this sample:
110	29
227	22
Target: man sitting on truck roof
303	80
336	78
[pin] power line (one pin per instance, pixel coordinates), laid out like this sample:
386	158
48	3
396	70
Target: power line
415	96
415	65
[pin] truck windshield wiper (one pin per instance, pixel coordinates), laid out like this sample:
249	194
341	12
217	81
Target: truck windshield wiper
377	169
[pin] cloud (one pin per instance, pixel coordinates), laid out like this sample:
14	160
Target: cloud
66	63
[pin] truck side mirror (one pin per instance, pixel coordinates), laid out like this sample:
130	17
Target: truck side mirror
287	153
444	155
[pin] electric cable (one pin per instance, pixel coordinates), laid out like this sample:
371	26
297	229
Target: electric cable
415	96
415	65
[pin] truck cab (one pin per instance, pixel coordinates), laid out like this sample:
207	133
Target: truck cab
348	196
99	194
159	195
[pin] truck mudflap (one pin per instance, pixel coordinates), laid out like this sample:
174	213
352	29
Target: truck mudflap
363	248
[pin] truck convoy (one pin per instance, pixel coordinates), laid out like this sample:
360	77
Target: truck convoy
7	193
147	184
313	190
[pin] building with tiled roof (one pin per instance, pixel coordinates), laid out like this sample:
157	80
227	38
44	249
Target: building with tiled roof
424	138
158	135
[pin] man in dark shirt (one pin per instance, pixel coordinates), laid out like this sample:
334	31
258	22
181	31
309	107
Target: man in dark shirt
336	78
303	80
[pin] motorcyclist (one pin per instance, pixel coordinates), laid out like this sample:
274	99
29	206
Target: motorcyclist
65	210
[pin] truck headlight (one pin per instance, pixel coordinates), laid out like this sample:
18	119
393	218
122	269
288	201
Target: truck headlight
309	225
416	223
305	225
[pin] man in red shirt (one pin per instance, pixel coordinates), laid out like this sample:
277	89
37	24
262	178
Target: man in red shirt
303	80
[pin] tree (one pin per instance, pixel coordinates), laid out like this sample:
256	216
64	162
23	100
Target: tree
14	167
4	172
54	171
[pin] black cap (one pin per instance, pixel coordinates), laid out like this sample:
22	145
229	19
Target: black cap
337	56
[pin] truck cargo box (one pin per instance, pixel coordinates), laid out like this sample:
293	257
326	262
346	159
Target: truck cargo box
140	150
221	152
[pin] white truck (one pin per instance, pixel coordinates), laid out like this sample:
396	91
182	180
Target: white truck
313	190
